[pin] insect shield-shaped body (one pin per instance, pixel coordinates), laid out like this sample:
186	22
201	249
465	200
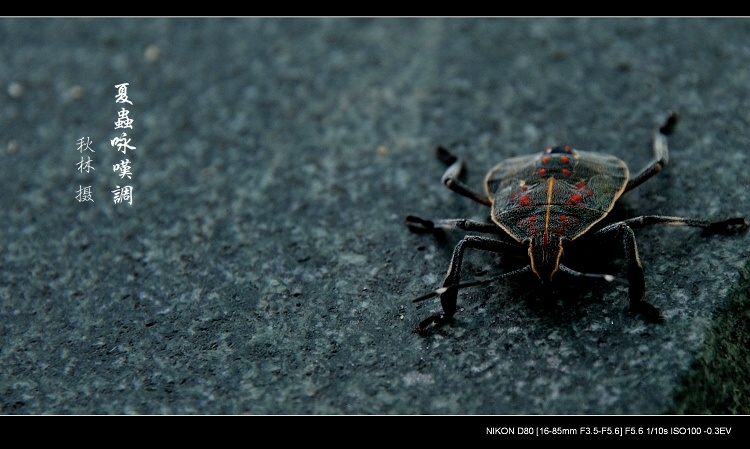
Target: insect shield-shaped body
546	201
542	201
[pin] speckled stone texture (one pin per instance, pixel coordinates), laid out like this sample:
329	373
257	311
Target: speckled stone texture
264	266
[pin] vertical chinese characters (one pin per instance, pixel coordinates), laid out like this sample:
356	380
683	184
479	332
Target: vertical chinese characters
123	194
83	194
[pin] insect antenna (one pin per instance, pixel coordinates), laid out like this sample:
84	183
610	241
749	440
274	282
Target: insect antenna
473	283
606	277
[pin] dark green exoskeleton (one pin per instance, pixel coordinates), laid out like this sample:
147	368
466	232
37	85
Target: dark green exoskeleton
545	201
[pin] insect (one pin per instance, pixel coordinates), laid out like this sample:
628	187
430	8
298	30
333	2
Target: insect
540	204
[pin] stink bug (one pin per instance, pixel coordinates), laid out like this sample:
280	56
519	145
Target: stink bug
539	204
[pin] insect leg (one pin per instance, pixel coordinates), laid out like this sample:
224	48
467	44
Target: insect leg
661	153
420	225
454	171
636	281
728	226
448	294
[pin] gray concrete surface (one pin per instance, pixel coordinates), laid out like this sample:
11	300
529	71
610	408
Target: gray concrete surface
264	267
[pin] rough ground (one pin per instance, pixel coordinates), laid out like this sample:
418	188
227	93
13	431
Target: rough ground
264	266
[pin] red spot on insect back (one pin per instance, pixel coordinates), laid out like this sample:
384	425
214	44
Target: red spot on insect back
524	200
564	159
541	172
574	199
